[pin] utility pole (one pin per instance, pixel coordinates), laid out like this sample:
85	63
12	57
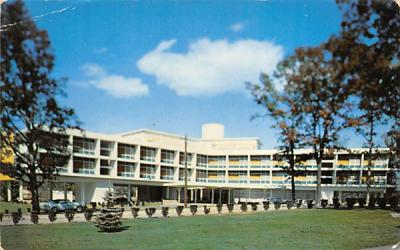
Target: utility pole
185	189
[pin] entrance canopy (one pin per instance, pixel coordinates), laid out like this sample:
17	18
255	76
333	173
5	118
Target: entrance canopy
5	177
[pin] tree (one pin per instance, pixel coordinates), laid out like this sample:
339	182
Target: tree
322	101
282	108
368	50
33	124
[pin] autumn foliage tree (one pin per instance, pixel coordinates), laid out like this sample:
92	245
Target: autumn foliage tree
32	122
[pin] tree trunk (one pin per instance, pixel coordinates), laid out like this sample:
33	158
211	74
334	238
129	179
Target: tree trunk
293	190
370	145
34	192
318	194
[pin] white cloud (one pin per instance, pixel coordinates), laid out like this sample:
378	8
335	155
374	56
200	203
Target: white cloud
237	27
100	50
115	85
210	68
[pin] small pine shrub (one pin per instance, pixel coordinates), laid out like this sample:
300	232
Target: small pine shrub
382	203
69	214
324	203
52	216
150	211
310	204
277	205
243	207
350	202
88	214
135	212
1	216
230	207
207	210
164	211
179	210
193	209
219	208
289	204
35	217
15	217
372	202
393	202
361	202
336	203
266	205
254	206
109	220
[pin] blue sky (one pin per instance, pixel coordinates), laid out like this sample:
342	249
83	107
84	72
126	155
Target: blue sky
174	65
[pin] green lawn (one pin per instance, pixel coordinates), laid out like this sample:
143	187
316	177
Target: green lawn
13	207
296	229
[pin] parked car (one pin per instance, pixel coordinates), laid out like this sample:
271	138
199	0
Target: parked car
274	200
61	205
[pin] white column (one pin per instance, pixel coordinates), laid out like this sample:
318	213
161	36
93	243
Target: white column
8	190
129	193
201	194
195	196
21	190
229	195
83	192
212	195
191	194
179	194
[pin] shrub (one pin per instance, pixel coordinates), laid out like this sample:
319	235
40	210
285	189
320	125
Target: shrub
219	208
324	203
206	210
164	211
109	220
372	202
19	211
150	211
15	217
382	203
266	205
52	216
243	207
336	203
310	204
179	210
135	212
6	211
1	216
289	204
69	214
254	206
361	202
298	204
394	202
35	217
230	207
350	202
277	205
28	209
88	214
193	209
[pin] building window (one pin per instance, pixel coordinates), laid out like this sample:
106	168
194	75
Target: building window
167	156
217	161
125	169
182	158
147	171
201	161
84	146
84	165
182	174
147	154
216	176
167	173
238	161
259	177
201	176
237	176
126	151
105	167
106	148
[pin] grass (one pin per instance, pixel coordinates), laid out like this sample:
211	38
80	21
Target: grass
13	206
296	229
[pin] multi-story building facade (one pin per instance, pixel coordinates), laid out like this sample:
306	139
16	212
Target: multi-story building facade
149	165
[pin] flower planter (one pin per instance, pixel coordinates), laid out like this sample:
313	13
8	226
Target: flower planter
69	214
243	207
289	204
254	206
88	214
277	205
207	210
310	204
350	202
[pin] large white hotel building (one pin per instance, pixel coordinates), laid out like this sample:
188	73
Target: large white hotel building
146	165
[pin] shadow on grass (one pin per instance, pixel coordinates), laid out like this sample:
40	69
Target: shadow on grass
117	230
